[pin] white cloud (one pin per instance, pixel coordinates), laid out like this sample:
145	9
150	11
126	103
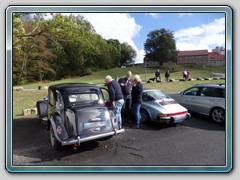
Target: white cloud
154	15
184	14
140	56
206	36
119	26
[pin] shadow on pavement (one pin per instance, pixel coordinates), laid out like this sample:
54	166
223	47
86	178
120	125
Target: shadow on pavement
196	121
31	139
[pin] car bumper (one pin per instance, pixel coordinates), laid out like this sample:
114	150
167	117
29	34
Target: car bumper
174	119
80	140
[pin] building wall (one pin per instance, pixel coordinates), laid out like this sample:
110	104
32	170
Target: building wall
202	59
193	59
216	62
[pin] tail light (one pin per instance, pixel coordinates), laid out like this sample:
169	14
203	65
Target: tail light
115	120
172	114
59	130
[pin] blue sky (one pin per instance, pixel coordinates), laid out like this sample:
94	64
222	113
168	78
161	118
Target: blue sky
192	31
171	21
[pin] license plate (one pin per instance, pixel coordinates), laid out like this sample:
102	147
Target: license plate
178	119
93	125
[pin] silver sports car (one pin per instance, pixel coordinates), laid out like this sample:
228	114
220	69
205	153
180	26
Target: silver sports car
158	106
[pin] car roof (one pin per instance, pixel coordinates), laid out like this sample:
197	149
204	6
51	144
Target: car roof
210	85
72	86
147	90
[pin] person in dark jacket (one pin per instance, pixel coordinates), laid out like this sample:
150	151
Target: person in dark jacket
167	75
137	91
116	98
126	85
158	75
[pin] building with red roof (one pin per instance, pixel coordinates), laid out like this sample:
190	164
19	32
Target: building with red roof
199	57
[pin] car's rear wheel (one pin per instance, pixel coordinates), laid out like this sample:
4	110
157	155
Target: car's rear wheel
145	116
55	144
218	115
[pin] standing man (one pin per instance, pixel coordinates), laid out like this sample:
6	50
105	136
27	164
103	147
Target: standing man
116	98
126	85
188	74
157	75
137	92
167	75
185	74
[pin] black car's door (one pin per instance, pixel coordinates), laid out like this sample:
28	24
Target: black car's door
106	97
60	105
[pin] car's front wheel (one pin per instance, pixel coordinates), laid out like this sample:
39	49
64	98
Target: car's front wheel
55	144
218	115
145	116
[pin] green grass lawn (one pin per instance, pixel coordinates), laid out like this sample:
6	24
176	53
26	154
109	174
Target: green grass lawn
98	77
28	98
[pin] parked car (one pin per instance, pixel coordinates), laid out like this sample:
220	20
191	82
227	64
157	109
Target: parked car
207	99
76	113
159	107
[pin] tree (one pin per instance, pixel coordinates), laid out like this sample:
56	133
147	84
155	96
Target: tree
115	51
128	54
61	46
31	57
160	46
74	39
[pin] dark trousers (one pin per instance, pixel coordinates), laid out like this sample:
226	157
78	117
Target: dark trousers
127	108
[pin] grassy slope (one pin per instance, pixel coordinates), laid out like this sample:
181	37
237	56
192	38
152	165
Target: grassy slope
27	99
98	77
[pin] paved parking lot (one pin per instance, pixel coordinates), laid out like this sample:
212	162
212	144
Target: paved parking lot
195	142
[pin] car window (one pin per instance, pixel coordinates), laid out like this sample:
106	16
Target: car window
191	91
105	94
154	95
213	92
147	97
83	97
207	91
218	92
51	97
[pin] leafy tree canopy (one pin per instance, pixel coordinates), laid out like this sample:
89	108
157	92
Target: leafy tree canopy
160	46
61	46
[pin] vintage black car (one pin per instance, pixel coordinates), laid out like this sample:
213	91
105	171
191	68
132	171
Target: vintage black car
76	113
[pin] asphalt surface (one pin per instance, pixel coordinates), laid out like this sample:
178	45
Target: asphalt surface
195	142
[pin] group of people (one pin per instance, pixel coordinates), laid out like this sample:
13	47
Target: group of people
158	75
186	75
127	94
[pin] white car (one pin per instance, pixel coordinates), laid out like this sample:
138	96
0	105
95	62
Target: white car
207	99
